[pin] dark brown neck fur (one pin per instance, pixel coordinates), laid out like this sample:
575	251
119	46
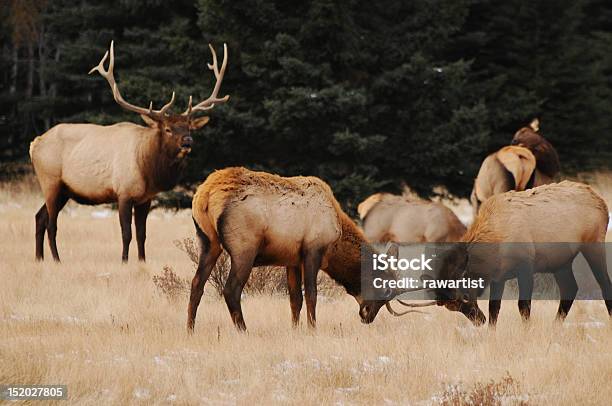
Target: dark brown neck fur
160	166
344	258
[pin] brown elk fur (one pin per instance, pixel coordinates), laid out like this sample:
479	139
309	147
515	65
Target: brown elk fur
124	163
93	164
364	207
545	154
265	219
497	221
549	225
344	257
399	219
510	168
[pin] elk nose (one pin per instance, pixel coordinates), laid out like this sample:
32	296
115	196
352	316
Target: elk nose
364	313
187	141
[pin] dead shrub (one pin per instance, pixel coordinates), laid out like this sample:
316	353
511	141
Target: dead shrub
263	279
171	285
506	391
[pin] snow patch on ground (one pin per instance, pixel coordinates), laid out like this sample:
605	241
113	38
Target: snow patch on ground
63	319
101	214
142	393
586	324
9	206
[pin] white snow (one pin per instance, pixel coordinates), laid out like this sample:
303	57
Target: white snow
101	214
142	393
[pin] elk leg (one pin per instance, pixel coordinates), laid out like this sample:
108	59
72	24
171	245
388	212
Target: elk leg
54	205
125	220
294	286
496	294
568	288
312	263
242	265
595	255
141	212
525	282
42	219
205	266
209	253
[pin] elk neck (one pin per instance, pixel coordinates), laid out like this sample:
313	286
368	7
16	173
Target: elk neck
344	259
160	167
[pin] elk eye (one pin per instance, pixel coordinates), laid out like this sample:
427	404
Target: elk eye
168	131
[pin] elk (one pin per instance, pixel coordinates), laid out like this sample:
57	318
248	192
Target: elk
124	162
569	216
265	219
511	168
529	161
547	159
388	217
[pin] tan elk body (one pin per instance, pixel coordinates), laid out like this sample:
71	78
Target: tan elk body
87	160
388	217
510	168
124	163
518	234
530	161
265	219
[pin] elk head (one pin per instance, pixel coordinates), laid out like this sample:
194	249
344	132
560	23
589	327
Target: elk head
368	309
174	130
454	266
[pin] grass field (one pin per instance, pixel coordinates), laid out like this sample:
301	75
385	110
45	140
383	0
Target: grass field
113	337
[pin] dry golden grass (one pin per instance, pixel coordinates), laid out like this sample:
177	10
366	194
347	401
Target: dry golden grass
113	337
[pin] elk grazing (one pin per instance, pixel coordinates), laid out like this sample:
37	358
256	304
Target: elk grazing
124	162
388	217
265	219
569	216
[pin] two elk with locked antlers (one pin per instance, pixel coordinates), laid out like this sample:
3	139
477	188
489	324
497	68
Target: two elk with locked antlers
124	162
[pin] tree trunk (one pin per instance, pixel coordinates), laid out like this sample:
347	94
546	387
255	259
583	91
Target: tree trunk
42	64
15	70
30	77
53	87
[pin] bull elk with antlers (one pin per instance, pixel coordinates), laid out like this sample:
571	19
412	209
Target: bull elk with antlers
124	162
265	219
519	234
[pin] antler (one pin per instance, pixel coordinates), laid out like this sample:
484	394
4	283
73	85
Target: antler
110	78
430	303
213	99
397	314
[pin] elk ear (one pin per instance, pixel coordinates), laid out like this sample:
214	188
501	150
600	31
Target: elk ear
149	121
198	123
535	125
